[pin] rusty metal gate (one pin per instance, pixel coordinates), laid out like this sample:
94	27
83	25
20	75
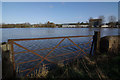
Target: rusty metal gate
29	54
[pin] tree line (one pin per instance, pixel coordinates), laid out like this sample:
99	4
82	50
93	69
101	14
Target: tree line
28	25
112	22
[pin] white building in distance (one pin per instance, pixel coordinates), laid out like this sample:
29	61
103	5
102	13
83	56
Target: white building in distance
104	26
68	26
75	25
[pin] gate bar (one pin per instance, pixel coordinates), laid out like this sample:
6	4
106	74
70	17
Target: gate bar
49	38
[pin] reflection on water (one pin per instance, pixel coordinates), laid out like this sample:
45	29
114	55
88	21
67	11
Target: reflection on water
16	33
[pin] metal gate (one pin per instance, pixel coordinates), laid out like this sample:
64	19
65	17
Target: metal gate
34	52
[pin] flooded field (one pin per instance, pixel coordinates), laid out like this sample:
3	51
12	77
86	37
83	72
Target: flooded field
43	47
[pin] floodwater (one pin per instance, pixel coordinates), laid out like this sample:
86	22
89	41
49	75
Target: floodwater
16	33
36	45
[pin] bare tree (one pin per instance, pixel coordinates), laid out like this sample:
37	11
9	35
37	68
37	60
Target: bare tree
103	18
90	18
90	24
112	21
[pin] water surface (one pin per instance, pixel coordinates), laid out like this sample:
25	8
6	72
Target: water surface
17	33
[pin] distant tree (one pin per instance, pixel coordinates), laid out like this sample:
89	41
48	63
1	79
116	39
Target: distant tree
40	24
87	22
90	24
90	18
50	24
82	23
78	23
112	21
103	18
26	25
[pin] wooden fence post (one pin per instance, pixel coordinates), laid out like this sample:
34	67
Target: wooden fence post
13	59
96	43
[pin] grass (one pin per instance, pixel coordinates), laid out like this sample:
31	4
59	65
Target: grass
104	66
110	66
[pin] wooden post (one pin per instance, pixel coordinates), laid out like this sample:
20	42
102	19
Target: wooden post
96	43
13	59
